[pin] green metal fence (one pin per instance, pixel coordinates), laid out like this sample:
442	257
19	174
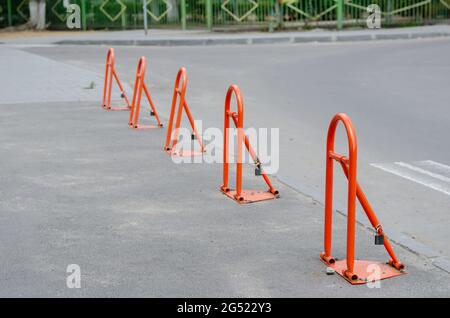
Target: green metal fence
3	16
128	14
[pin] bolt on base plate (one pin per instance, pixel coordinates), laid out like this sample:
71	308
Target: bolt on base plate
250	196
377	271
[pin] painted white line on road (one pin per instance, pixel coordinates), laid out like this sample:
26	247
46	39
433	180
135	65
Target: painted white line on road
423	171
435	166
418	175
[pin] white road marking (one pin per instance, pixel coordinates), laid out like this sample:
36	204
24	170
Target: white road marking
431	177
420	170
436	166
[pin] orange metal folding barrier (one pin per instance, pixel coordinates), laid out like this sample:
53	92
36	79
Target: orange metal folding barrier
139	86
240	195
110	74
180	93
356	272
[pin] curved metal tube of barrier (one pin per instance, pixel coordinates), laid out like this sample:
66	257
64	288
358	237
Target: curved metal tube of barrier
139	86
349	166
240	195
180	93
110	73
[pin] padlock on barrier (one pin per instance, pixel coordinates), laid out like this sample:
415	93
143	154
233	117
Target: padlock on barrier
379	239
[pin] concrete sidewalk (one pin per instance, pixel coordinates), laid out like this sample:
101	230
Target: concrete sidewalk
63	82
202	37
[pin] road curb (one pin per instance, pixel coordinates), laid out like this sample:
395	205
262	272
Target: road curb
249	40
405	241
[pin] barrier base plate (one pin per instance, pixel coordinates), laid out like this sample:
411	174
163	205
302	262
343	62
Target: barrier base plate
146	127
251	196
119	108
364	273
184	153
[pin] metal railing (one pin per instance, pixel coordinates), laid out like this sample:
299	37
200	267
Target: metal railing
128	14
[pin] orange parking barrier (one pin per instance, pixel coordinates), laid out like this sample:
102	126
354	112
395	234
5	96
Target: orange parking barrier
359	271
139	86
181	93
110	74
240	195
